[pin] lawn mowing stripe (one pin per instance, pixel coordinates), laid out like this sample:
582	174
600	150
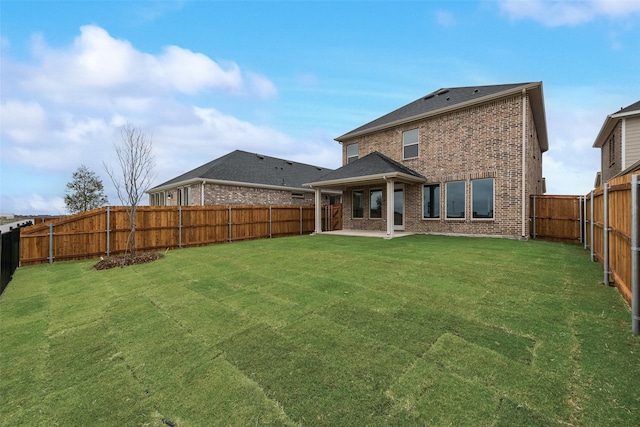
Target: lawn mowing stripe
185	379
209	320
320	371
513	380
418	399
24	320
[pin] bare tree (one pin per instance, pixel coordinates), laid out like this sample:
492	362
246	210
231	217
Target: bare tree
136	162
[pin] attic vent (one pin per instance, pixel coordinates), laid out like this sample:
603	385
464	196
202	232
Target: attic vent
431	95
289	163
475	91
448	98
260	157
318	168
442	92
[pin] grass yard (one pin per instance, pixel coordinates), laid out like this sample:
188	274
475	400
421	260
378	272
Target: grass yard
322	330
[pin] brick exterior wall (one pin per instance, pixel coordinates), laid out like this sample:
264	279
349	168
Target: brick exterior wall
217	194
482	141
612	165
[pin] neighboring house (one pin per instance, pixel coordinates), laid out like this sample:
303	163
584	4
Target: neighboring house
242	178
459	160
619	143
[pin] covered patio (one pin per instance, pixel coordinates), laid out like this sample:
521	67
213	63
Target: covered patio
373	169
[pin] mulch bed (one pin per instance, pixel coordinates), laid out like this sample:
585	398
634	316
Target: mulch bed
124	260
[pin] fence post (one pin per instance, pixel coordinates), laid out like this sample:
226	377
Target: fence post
50	243
635	256
534	217
108	251
270	229
580	216
180	226
605	229
230	223
584	223
300	220
593	226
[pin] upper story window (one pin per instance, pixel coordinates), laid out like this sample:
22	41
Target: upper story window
352	152
410	144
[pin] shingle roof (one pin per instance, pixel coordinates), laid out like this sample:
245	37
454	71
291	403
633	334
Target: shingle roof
440	99
374	163
630	108
241	166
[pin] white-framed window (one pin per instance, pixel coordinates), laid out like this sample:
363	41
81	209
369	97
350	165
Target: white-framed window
352	152
431	201
357	205
410	144
375	204
482	198
184	194
456	199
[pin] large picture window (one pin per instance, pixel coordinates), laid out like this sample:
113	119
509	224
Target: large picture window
410	144
455	199
352	152
431	201
375	204
482	198
358	204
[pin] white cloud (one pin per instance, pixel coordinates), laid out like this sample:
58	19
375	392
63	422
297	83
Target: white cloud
555	13
98	62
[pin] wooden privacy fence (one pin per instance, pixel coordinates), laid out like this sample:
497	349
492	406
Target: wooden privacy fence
105	231
607	222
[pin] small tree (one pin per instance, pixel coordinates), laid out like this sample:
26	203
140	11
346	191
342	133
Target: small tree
136	162
85	192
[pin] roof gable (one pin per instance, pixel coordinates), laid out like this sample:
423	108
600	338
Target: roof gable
373	164
441	100
243	167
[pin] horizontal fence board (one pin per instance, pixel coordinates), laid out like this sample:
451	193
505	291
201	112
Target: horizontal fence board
106	231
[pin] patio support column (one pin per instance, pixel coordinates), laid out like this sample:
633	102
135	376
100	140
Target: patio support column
318	211
390	208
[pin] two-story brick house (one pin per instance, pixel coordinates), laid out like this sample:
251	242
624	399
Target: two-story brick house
459	160
619	142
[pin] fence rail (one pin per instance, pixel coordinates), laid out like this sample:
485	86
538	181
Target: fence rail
607	222
105	231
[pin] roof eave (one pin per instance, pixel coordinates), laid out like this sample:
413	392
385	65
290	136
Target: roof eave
379	177
461	105
607	127
223	182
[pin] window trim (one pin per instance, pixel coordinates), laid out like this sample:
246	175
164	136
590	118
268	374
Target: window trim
353	194
371	190
493	200
434	218
446	204
405	145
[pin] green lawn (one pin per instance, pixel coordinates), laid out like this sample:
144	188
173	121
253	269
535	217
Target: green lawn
322	330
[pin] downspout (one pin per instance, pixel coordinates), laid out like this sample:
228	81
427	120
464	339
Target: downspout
524	161
202	194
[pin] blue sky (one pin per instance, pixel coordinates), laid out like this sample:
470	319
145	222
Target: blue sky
285	78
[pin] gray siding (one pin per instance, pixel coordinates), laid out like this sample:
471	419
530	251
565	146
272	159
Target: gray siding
632	141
